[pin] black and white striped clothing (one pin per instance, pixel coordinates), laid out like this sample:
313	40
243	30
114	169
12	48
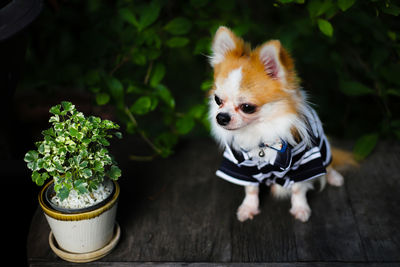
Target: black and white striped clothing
299	163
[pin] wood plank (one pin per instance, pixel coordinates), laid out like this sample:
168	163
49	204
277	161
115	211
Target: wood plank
374	196
331	232
176	212
181	214
38	247
266	238
211	264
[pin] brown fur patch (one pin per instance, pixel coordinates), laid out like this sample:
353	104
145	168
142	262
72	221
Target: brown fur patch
256	83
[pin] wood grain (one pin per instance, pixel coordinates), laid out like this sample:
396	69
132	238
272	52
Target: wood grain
177	212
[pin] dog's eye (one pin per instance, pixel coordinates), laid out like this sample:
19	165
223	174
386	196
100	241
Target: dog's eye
218	100
248	108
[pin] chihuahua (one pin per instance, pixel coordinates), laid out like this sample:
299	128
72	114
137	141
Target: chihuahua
270	134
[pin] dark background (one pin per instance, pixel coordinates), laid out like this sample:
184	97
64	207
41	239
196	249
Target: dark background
150	58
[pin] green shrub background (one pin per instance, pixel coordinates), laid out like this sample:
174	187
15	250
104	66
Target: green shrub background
148	59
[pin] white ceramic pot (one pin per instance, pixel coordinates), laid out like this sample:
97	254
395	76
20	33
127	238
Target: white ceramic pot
82	232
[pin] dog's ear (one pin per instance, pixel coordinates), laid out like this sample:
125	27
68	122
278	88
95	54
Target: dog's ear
225	42
275	59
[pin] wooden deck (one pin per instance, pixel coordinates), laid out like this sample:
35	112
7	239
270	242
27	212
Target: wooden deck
177	212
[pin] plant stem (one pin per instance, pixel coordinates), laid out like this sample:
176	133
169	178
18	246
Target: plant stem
142	158
147	77
142	133
122	62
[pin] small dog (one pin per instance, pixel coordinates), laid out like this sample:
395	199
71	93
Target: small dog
270	134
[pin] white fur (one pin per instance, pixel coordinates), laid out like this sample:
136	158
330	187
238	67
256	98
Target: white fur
334	177
300	208
230	86
269	123
268	127
270	57
222	43
249	207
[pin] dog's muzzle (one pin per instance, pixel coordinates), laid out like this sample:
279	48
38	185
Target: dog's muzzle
223	119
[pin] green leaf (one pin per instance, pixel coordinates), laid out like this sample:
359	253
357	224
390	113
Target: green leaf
116	90
149	14
39	179
83	164
128	16
114	173
35	177
325	27
43	178
165	95
141	106
154	103
56	110
49	132
67	106
63	193
73	132
345	4
77	159
153	53
130	128
206	85
33	166
135	89
197	111
157	75
59	167
41	148
185	124
102	99
393	91
94	89
392	35
391	9
87	173
68	175
177	42
353	88
178	26
118	135
317	7
80	186
31	155
165	141
138	57
98	166
365	145
104	142
92	77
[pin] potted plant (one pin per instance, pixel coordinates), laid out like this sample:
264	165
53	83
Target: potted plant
80	201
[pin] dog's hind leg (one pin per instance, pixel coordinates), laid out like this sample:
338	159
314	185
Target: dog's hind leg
333	177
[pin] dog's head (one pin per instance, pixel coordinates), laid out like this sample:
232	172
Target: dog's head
250	86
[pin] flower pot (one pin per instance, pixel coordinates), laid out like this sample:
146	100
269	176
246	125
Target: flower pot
82	232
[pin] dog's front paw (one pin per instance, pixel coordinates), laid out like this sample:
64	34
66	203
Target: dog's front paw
247	212
301	213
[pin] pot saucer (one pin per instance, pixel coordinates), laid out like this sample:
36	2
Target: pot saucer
85	257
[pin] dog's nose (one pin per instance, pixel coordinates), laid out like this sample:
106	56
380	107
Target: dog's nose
223	119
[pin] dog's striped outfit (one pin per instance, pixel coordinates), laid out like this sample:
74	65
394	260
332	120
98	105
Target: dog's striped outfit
291	164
